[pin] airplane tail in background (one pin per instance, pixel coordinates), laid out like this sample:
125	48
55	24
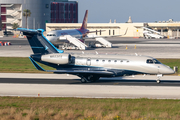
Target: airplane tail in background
84	24
39	44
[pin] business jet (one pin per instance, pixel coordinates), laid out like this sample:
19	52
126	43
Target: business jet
89	67
73	36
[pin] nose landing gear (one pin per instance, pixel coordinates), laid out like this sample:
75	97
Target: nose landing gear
158	78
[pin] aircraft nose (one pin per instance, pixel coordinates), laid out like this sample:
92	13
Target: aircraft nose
166	70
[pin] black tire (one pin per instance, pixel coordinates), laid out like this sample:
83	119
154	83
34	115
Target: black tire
95	78
83	80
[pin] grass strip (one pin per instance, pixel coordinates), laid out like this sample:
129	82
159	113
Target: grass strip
88	109
19	65
24	65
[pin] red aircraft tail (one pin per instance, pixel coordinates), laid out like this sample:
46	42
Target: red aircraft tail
84	24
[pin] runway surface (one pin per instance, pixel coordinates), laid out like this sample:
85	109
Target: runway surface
30	85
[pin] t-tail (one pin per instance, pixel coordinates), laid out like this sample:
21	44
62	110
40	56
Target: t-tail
84	24
39	44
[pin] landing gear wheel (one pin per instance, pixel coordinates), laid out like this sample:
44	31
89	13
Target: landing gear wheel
94	79
89	78
158	81
158	78
83	80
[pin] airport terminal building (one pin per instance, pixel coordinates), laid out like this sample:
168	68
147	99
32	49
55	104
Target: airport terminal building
170	28
42	12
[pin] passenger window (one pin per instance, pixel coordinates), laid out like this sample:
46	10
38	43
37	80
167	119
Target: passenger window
103	60
115	60
149	61
121	60
109	60
97	60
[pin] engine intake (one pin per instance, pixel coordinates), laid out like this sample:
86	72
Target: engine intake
57	58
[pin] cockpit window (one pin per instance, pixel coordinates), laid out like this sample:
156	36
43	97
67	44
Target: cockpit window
156	61
149	61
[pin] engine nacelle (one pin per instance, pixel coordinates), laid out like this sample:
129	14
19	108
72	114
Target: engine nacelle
57	58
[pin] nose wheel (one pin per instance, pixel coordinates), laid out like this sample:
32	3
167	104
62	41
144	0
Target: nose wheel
158	78
158	81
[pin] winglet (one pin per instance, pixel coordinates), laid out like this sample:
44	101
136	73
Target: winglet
84	24
38	67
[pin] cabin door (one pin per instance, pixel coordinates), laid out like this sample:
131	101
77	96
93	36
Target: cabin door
88	61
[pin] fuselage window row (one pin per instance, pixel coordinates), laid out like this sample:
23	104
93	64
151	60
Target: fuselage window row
113	60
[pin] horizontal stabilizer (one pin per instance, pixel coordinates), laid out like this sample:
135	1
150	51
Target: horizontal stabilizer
32	31
38	67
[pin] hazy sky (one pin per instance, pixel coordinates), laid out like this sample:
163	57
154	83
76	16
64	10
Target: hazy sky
101	11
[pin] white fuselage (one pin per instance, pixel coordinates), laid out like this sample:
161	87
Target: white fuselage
54	36
124	62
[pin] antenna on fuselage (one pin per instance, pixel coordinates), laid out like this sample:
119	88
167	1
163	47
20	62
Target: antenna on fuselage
82	52
136	54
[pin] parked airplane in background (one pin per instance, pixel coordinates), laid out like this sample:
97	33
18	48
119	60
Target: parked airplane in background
74	36
89	67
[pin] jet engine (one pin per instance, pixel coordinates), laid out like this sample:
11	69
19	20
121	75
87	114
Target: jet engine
57	58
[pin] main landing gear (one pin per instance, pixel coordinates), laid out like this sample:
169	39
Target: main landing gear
158	78
89	78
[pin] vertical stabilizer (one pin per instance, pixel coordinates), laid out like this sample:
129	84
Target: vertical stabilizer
84	24
39	43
